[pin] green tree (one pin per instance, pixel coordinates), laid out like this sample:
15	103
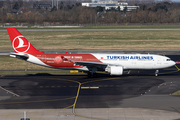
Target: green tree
99	9
69	7
144	7
78	4
160	6
54	9
16	6
1	4
61	5
125	9
119	9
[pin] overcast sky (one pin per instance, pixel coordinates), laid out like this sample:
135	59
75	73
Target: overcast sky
176	0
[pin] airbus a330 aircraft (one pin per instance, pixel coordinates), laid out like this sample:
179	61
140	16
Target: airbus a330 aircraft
114	64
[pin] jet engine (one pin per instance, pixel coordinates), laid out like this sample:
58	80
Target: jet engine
114	70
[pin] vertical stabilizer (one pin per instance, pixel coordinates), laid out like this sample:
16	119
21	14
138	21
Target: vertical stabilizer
19	43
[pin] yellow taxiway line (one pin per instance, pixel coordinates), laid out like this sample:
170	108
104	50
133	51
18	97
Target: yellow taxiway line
89	87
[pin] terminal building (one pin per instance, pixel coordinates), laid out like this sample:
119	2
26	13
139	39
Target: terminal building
105	5
129	8
111	4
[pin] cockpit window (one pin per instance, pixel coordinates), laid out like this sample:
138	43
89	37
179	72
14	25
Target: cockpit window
168	59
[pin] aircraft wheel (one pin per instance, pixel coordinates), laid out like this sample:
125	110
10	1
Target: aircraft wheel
95	75
89	74
156	73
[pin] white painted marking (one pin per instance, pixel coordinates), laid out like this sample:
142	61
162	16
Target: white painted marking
10	92
24	115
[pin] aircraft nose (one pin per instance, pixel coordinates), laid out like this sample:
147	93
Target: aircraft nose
173	63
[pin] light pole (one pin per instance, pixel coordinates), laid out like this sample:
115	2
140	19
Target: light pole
57	4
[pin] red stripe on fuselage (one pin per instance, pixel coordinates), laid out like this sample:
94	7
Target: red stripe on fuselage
62	60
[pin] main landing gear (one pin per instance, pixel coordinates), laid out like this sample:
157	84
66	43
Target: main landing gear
91	74
156	73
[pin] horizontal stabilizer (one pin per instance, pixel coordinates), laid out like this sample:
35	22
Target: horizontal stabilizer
20	56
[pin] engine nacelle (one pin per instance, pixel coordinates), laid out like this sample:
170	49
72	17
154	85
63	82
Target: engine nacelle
114	70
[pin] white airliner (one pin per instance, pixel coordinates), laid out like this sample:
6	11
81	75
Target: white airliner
114	64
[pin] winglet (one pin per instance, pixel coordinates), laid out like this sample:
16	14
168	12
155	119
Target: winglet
19	43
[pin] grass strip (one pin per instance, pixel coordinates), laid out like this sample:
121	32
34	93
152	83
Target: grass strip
176	93
98	40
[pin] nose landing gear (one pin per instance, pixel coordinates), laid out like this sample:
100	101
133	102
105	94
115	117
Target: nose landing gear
156	73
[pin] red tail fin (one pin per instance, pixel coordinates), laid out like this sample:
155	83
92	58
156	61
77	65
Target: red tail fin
20	43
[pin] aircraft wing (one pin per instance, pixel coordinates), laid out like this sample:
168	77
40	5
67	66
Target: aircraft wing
92	64
85	63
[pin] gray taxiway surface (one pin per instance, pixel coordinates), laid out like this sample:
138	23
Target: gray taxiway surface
137	96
